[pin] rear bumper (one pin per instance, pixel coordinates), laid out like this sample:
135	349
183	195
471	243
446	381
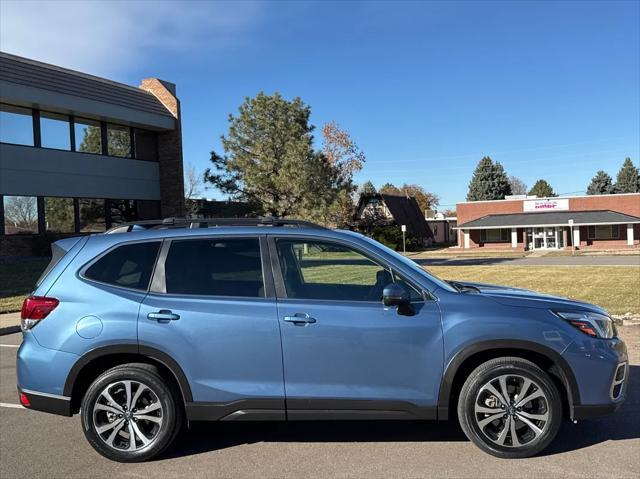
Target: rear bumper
44	402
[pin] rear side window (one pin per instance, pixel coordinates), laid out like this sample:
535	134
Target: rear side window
128	266
215	267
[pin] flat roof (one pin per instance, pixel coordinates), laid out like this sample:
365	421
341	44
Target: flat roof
549	218
32	73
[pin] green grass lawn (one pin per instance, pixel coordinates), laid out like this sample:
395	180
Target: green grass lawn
17	279
615	288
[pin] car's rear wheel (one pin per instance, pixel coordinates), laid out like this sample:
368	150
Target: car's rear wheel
510	408
129	413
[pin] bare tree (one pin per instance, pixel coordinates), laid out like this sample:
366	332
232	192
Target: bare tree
21	212
192	189
518	187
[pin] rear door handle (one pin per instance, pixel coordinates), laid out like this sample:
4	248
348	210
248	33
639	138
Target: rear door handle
300	318
163	315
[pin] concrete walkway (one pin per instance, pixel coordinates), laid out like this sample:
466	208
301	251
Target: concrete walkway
580	260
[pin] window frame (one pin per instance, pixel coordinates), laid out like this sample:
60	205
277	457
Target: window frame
485	239
158	284
595	235
81	272
280	287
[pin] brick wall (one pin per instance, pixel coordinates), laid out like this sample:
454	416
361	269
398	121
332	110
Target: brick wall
628	204
169	150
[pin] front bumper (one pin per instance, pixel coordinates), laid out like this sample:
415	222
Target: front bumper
601	369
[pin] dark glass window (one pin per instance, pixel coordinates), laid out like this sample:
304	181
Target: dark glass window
148	209
88	136
216	267
20	215
122	211
321	270
129	266
58	215
119	141
55	131
91	215
495	236
146	145
16	125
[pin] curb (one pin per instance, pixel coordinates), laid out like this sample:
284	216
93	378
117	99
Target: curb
9	330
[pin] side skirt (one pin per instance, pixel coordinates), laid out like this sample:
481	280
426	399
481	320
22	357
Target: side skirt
308	410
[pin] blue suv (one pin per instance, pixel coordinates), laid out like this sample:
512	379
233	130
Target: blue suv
154	325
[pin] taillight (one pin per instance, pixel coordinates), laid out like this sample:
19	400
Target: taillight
35	309
24	400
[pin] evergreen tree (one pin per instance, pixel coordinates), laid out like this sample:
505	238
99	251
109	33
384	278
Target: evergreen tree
542	189
601	184
368	188
489	182
269	157
628	179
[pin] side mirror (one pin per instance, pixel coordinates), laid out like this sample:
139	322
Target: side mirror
395	295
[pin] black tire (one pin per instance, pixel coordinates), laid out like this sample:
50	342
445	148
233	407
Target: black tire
488	436
164	433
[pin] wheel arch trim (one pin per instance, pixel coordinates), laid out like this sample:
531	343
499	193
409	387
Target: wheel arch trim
134	349
563	369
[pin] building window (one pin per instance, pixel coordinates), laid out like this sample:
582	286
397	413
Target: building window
54	131
495	236
91	215
20	215
146	143
119	141
16	125
600	232
59	215
122	211
88	137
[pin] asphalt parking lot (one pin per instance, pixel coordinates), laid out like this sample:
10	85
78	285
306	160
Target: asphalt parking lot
34	445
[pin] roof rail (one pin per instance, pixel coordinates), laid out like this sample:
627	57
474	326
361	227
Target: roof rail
193	223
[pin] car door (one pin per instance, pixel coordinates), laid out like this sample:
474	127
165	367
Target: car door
346	355
212	309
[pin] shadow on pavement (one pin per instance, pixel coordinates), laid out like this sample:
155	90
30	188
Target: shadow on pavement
206	437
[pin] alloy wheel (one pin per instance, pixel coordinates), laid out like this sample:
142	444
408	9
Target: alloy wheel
512	411
127	415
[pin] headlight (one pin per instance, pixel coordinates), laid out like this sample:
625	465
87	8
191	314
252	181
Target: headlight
592	324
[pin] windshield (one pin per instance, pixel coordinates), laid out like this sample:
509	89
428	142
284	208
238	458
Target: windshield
412	264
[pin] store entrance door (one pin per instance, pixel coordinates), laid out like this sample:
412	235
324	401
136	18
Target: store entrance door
545	237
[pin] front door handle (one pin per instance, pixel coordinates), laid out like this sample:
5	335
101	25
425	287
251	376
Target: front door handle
300	318
163	315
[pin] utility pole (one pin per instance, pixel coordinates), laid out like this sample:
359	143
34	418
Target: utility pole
404	243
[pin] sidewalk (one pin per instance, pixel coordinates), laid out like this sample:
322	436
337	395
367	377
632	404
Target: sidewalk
9	323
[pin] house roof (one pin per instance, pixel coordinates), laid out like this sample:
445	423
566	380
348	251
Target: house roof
554	218
405	211
31	73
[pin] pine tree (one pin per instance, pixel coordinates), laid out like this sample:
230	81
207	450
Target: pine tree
628	179
489	182
542	189
601	184
367	188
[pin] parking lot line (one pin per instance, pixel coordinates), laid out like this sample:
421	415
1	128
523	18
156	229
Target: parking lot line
10	405
9	345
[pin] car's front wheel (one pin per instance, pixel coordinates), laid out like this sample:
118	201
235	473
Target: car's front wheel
129	413
510	408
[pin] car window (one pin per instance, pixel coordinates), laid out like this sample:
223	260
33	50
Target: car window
326	270
129	266
215	267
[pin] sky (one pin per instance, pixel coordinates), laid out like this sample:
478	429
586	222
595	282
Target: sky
426	89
